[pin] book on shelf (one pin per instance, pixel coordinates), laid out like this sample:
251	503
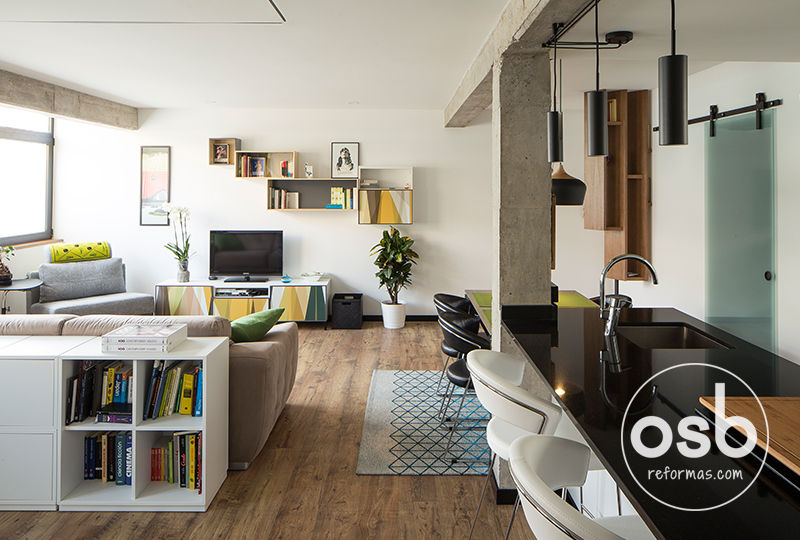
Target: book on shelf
145	338
187	393
177	459
108	457
96	386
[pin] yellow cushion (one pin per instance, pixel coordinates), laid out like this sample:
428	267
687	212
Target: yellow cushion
85	251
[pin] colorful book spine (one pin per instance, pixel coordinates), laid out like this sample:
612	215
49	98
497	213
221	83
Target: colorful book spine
104	456
198	402
170	477
182	442
186	394
128	458
199	463
115	418
192	455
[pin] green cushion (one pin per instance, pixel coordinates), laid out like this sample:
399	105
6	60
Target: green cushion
253	327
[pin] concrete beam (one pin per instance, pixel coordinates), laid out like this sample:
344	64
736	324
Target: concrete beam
37	95
523	26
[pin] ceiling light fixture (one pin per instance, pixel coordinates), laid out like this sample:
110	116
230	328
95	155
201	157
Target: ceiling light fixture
597	104
673	84
555	125
567	190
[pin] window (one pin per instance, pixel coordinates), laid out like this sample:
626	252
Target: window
26	176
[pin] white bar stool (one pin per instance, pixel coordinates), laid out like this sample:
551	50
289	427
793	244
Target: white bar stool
515	412
542	464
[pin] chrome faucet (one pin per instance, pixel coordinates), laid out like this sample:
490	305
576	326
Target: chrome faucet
618	301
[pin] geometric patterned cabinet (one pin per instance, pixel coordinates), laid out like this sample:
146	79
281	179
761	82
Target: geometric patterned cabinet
182	300
301	303
303	300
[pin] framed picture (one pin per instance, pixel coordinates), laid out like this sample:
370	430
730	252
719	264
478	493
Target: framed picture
257	166
154	189
344	160
221	152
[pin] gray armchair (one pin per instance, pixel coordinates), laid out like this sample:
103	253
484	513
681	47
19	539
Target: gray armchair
84	288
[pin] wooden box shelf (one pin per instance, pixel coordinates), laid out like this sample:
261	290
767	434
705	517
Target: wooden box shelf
271	166
233	145
618	199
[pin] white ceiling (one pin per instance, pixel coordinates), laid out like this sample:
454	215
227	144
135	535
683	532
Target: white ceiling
351	53
330	54
708	31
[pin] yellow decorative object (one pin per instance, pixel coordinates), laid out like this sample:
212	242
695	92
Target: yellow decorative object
235	308
188	300
84	251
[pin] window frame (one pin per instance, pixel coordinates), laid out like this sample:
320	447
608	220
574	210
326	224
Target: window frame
41	137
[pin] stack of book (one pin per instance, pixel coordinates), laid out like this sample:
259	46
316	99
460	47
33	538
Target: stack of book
178	460
174	389
102	389
145	338
108	457
341	198
279	199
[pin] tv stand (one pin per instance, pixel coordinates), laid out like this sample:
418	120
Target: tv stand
245	278
304	300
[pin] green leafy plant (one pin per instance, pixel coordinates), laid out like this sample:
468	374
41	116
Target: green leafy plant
394	261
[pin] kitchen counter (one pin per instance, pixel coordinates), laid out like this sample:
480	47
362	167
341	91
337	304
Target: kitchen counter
566	352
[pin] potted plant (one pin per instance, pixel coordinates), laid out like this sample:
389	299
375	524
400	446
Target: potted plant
394	261
6	252
179	215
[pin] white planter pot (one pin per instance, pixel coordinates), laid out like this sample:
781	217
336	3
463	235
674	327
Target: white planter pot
394	315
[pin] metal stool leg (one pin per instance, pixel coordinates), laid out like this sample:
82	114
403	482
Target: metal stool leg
456	422
513	513
446	363
483	493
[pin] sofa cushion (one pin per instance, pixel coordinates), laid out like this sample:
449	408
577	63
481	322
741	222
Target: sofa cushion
65	281
97	325
33	325
253	327
117	304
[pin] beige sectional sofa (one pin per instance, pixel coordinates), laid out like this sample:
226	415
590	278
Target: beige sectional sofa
261	377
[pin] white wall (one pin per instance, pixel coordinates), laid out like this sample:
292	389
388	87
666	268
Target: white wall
679	202
97	194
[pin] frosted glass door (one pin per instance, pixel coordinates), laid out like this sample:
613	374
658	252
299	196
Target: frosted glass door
740	228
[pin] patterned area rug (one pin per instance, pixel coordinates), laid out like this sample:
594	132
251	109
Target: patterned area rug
402	436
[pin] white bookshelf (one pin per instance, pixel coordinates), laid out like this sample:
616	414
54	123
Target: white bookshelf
77	494
28	422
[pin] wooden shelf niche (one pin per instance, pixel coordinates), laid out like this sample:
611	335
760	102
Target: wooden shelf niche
618	199
385	195
259	164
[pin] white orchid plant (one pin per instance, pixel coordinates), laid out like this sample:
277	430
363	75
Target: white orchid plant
179	215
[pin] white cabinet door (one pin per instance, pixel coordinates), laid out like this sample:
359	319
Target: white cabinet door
26	392
26	468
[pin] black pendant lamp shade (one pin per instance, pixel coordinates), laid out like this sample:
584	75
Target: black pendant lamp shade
597	105
597	123
555	143
569	191
673	95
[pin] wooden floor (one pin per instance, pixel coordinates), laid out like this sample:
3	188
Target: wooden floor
303	484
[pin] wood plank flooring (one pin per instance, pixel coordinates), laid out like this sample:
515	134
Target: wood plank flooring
304	484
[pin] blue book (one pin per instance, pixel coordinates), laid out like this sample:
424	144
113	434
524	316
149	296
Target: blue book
128	458
86	458
117	387
198	404
123	392
334	206
92	444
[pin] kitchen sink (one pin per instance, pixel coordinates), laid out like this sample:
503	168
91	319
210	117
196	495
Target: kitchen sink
668	336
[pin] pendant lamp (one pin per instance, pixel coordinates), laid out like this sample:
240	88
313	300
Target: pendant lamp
597	105
673	110
555	124
569	191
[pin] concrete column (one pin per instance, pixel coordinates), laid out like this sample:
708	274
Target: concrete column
520	184
521	194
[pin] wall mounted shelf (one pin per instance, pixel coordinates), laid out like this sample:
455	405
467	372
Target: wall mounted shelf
618	199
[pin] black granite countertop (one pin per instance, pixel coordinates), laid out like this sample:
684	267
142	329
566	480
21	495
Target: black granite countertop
567	354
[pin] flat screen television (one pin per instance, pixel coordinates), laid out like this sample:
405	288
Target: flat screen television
246	255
